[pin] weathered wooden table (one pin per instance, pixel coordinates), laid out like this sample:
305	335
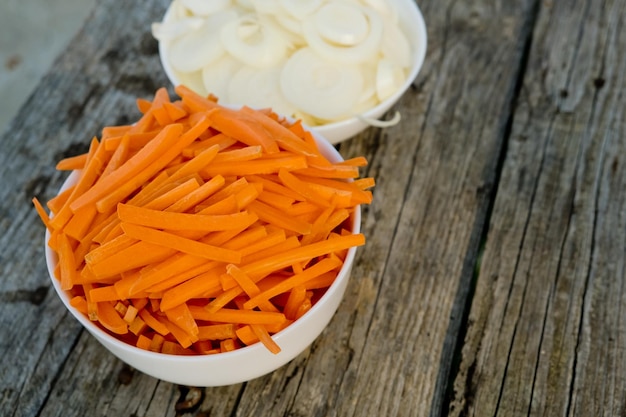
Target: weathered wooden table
492	282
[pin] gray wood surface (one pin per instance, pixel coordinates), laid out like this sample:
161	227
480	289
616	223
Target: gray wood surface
545	334
492	280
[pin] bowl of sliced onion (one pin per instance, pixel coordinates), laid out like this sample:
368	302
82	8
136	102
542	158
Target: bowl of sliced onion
337	65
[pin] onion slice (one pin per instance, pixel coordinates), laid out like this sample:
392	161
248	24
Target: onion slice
252	42
341	24
367	49
168	31
200	47
394	45
217	75
325	89
389	78
259	88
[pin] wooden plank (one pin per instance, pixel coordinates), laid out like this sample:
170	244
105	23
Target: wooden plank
545	334
46	364
389	350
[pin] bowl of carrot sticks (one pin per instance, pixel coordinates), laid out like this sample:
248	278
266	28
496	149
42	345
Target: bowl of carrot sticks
205	245
338	66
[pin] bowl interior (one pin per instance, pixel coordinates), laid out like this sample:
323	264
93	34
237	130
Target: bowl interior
226	368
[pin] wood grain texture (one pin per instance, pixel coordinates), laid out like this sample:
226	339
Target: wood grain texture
391	348
545	334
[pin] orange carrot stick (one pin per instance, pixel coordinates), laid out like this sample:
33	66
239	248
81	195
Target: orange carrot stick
193	198
45	219
265	338
216	331
277	218
110	319
130	168
196	102
132	183
87	178
256	167
243	128
192	247
71	163
229	315
106	293
153	323
181	221
325	265
181	317
261	268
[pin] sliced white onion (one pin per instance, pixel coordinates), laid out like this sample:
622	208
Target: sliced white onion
386	9
193	80
217	76
389	78
364	105
394	45
178	11
168	31
368	94
323	88
293	38
253	43
205	7
289	23
299	9
259	88
341	23
200	47
360	52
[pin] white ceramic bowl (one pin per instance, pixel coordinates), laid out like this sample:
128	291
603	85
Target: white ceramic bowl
411	22
233	367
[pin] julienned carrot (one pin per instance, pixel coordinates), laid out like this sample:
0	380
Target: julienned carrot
191	247
192	288
320	268
256	166
289	140
237	316
88	176
57	202
71	163
132	183
181	317
200	228
181	263
106	293
131	167
265	338
193	198
237	124
277	218
153	323
110	319
181	221
41	211
263	267
217	331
